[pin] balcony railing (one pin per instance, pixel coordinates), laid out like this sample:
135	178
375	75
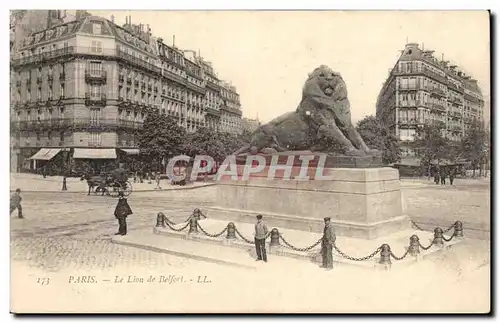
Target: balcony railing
438	107
137	61
35	59
437	91
99	76
95	100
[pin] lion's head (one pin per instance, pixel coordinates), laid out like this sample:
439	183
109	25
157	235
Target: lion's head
324	83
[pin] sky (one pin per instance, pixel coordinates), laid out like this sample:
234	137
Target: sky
267	55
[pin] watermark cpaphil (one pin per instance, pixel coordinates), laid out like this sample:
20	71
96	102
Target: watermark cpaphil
254	164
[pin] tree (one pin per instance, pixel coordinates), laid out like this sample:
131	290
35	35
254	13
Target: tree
205	141
430	144
160	137
377	136
474	145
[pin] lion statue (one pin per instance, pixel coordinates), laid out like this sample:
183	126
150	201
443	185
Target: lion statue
321	122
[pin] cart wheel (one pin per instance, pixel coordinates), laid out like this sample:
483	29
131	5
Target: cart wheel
128	189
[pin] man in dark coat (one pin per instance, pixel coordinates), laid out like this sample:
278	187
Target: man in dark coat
442	175
452	175
327	244
15	203
122	210
260	239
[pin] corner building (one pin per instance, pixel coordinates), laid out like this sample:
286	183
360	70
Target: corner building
422	90
81	89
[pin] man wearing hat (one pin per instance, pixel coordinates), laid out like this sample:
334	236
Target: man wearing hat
260	239
121	212
327	244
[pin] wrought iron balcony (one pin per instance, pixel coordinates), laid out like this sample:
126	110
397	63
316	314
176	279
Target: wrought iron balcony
438	107
438	91
95	100
138	62
96	77
36	59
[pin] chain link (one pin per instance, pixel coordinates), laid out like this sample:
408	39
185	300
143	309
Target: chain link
175	229
451	238
425	248
300	249
416	225
211	235
451	227
242	237
357	258
402	257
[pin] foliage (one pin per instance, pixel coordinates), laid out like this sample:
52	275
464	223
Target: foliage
160	137
474	145
430	144
377	136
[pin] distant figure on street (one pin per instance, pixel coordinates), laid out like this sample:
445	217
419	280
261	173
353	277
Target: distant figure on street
15	203
452	175
158	178
442	175
260	239
122	210
64	187
327	244
436	175
44	172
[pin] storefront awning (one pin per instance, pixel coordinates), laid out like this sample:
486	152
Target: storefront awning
88	153
46	154
131	151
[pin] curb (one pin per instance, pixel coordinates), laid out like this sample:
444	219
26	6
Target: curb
149	190
180	254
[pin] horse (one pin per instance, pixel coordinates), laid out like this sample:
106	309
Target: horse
95	181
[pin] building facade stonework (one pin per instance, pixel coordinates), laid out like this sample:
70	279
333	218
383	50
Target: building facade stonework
422	90
86	84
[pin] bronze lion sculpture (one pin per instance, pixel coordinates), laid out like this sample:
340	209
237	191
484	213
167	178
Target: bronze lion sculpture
321	122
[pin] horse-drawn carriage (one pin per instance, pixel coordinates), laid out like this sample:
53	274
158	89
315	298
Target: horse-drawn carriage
107	184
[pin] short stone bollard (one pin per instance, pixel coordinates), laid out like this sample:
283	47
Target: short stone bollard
414	248
459	231
385	255
193	225
160	220
438	237
275	238
231	231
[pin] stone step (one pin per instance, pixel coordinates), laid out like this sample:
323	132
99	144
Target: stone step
198	250
349	252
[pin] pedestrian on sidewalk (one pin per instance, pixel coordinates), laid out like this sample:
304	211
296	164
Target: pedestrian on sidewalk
327	244
15	203
64	187
158	178
260	239
122	210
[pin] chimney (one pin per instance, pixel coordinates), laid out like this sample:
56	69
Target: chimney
112	19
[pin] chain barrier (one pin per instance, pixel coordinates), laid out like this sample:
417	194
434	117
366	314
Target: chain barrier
242	237
175	229
426	248
416	225
451	237
451	227
373	254
212	235
402	257
300	249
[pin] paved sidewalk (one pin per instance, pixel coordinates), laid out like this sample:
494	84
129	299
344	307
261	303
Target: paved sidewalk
36	183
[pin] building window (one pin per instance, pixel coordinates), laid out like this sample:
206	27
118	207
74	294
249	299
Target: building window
96	47
95	68
95	115
51	94
39	94
96	28
95	91
94	139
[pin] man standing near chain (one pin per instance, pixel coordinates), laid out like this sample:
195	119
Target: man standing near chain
260	239
327	245
15	203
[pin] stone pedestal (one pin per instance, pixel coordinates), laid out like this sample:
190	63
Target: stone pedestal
362	202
